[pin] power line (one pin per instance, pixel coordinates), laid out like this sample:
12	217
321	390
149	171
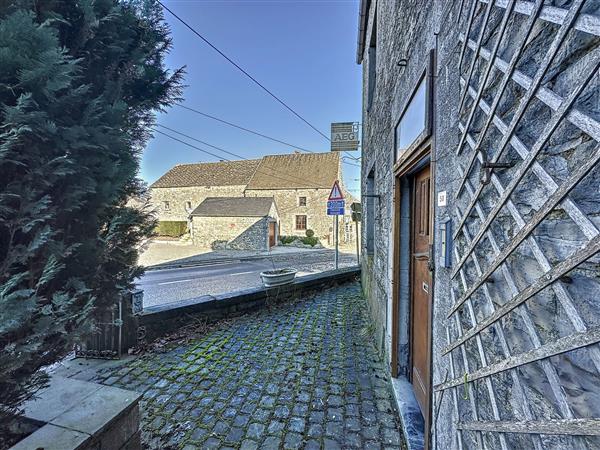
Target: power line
220	158
243	128
201	142
242	70
295	147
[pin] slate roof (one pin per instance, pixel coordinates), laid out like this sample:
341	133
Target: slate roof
296	170
234	207
224	173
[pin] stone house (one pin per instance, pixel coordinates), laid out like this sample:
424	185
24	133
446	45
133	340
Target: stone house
299	183
240	223
481	215
179	191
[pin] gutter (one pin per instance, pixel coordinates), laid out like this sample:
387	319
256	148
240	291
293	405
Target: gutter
363	18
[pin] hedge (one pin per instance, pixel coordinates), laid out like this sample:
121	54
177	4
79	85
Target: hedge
310	240
287	239
171	228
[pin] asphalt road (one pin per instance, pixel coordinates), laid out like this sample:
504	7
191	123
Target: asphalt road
170	285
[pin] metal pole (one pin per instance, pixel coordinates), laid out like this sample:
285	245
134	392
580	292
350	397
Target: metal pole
337	236
357	243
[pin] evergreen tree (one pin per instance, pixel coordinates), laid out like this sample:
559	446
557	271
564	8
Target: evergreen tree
80	82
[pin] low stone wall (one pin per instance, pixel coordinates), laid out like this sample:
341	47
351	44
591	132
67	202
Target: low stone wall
240	233
163	319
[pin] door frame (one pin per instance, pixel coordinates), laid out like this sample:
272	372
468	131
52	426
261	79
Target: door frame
401	284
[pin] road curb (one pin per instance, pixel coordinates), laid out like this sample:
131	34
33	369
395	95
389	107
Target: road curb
182	265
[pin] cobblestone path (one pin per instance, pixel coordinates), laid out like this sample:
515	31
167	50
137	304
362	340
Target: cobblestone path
300	375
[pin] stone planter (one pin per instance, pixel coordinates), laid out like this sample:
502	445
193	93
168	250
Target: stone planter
278	277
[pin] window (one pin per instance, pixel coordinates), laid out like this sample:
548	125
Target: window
301	201
188	205
300	222
413	122
166	206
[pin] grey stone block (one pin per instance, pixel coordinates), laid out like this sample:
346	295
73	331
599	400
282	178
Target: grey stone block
52	437
95	413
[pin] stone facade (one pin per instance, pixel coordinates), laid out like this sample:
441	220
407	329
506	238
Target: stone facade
178	198
509	229
238	233
315	211
277	176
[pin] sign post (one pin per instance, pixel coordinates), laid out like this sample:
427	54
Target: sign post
335	207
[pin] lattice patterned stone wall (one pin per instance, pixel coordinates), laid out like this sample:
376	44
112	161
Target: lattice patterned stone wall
523	331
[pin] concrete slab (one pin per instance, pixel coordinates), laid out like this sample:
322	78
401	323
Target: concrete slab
61	395
86	369
98	410
52	437
411	418
82	415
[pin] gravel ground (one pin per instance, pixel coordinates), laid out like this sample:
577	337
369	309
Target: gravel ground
298	375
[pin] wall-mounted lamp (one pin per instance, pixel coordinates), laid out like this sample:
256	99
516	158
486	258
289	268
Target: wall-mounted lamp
402	62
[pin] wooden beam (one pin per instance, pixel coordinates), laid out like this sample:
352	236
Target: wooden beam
562	345
587	23
523	104
549	205
572	427
586	252
590	71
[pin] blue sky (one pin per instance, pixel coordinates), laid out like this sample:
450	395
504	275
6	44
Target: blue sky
304	51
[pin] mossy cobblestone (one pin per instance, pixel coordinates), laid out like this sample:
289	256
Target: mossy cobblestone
298	375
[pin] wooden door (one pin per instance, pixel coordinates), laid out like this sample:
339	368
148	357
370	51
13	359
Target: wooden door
421	290
271	234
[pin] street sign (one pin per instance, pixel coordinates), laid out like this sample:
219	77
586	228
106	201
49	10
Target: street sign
336	192
344	136
335	207
336	202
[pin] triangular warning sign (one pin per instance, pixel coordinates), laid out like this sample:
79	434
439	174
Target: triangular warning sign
336	192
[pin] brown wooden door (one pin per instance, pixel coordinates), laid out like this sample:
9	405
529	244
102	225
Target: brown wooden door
421	290
271	234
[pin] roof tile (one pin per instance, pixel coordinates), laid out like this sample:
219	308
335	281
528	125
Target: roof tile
224	173
234	207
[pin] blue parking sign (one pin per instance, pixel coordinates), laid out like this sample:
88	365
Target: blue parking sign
335	207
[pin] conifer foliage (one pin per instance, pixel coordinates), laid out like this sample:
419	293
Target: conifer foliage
80	82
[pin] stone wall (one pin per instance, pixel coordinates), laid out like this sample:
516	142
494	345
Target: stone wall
393	88
179	196
315	211
160	320
241	233
286	200
558	388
